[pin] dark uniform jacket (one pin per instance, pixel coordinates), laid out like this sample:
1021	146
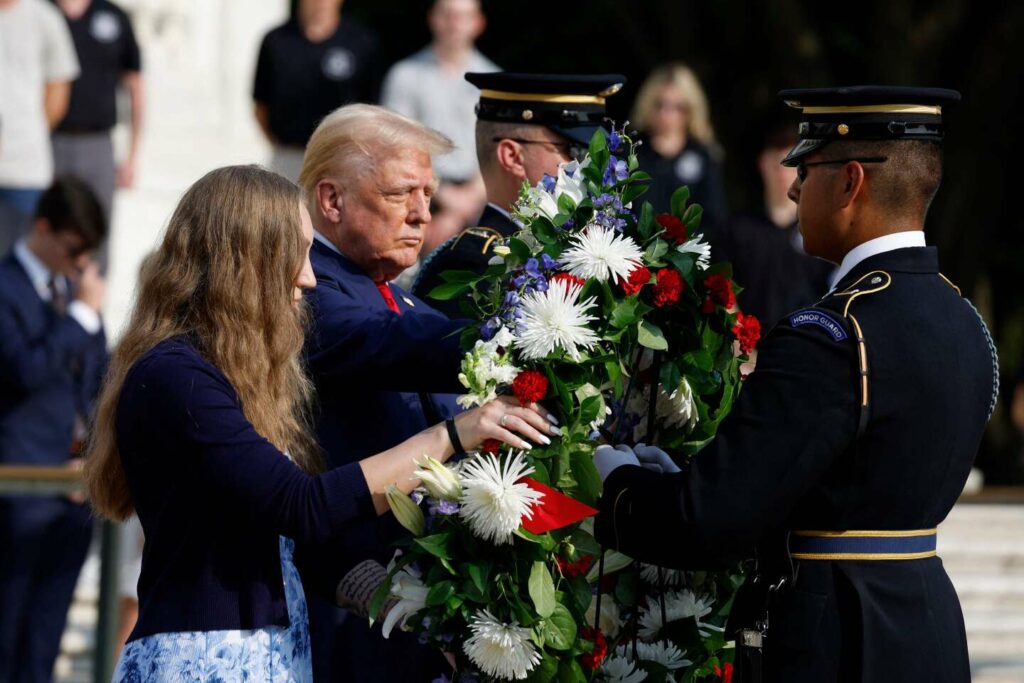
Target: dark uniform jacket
471	249
794	455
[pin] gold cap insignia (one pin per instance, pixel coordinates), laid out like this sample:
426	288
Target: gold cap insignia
611	90
843	129
527	114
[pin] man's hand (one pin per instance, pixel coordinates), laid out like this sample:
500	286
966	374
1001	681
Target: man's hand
126	173
654	459
90	287
608	459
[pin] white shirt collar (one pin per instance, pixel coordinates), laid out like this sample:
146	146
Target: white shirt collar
37	271
879	245
326	242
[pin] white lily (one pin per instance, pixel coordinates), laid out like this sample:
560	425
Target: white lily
439	480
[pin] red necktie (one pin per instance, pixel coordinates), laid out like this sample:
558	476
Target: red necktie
389	298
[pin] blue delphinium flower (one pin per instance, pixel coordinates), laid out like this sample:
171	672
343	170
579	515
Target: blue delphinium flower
417	496
490	328
444	507
548	183
614	141
616	171
548	263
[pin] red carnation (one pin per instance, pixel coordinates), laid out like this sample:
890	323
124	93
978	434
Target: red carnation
675	229
593	659
638	277
748	331
724	673
668	287
569	279
720	291
530	386
491	446
577	568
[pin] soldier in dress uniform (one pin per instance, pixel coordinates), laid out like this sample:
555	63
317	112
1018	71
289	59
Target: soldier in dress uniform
527	124
854	436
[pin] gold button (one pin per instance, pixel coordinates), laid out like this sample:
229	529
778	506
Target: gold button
527	114
843	129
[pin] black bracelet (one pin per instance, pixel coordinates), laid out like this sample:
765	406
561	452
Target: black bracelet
453	434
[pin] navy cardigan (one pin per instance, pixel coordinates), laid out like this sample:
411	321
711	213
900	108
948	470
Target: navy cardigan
213	496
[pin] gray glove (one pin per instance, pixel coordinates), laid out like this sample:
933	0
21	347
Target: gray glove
654	459
607	459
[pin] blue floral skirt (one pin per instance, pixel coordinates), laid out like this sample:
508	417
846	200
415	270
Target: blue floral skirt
276	653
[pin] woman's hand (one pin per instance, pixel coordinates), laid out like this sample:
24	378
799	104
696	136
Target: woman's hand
504	419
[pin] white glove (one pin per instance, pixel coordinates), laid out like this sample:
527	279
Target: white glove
654	459
607	459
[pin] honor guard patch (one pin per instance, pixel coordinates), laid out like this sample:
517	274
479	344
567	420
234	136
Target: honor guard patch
822	320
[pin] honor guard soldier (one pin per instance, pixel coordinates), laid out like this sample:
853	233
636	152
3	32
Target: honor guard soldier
527	124
853	438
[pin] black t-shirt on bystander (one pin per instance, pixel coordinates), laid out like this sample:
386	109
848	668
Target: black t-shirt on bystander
300	82
106	49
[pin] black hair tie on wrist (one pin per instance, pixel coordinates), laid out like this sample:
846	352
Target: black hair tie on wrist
453	434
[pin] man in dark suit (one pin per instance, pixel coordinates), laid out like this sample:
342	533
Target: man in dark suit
527	124
52	358
374	350
856	433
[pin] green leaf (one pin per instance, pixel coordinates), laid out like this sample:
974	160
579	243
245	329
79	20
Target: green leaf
632	163
633	192
639	175
678	201
646	224
439	593
544	672
655	251
519	250
560	628
598	147
448	291
614	375
566	205
589	409
436	544
588	480
692	217
651	336
542	589
478	574
464	276
570	671
670	377
544	231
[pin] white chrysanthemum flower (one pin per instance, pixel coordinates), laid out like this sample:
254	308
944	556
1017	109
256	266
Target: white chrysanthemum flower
661	652
697	246
500	650
493	504
602	254
679	605
670	578
555	319
611	619
619	669
412	597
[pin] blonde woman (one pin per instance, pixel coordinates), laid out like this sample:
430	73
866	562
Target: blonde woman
202	430
671	112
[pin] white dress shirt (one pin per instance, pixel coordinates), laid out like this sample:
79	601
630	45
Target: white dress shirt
40	276
879	245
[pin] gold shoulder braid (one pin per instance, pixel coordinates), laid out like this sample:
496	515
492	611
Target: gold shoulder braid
872	283
488	235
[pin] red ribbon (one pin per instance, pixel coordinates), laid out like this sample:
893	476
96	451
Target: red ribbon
554	510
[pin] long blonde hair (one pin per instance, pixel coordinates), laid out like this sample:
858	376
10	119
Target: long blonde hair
224	275
682	77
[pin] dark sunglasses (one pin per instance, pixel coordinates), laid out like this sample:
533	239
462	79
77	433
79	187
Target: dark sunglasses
801	167
573	150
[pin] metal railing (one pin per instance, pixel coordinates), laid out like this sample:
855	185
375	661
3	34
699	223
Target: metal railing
48	481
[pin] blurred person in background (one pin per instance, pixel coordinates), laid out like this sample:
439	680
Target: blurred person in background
429	86
526	125
765	246
679	147
307	67
37	65
109	57
52	358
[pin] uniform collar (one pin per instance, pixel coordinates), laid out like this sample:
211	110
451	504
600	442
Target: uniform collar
38	274
500	219
879	245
